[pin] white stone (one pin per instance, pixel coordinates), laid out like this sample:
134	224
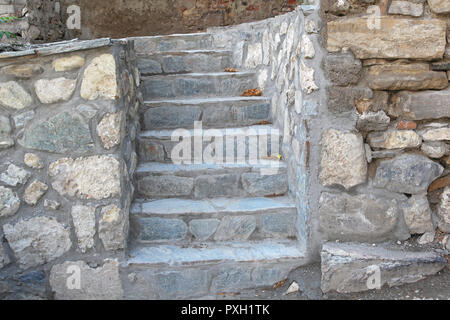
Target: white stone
13	96
293	288
443	211
254	55
426	238
9	202
14	176
406	8
307	79
109	130
112	228
438	134
99	80
307	47
33	161
34	192
68	63
84	221
55	90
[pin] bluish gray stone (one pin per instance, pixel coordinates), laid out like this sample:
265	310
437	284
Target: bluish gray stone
409	173
211	186
22	119
185	284
174	64
265	185
171	117
255	112
202	229
6	140
279	225
150	151
232	279
62	133
158	89
158	229
165	186
235	228
149	66
193	87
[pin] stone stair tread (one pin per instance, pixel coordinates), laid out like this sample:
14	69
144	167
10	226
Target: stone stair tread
209	253
186	52
169	207
200	75
172	36
194	101
166	134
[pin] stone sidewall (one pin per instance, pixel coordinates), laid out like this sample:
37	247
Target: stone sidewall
68	123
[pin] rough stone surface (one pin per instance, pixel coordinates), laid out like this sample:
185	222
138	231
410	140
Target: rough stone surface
4	259
109	130
439	6
307	47
438	134
62	133
111	228
22	119
14	176
24	71
411	105
343	99
84	221
68	63
373	121
52	204
406	8
265	185
358	218
396	139
409	173
235	228
6	140
279	225
9	202
55	90
96	177
443	211
342	68
354	267
307	79
435	149
99	80
13	96
203	229
33	161
34	192
254	55
165	186
396	38
101	283
37	241
343	159
159	229
417	214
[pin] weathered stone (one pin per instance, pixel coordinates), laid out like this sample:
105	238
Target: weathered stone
4	259
9	202
24	71
409	173
33	161
307	47
279	225
413	77
68	63
342	68
439	6
99	80
62	133
436	134
149	66
14	176
265	185
101	283
373	121
426	238
439	183
84	221
434	149
158	229
394	38
96	177
111	228
358	218
203	229
338	8
21	120
254	55
417	214
406	125
165	186
441	66
172	117
443	211
413	105
343	159
52	204
343	99
235	228
109	130
394	139
87	111
307	79
6	140
34	192
13	96
55	90
37	241
213	186
406	8
311	26
350	268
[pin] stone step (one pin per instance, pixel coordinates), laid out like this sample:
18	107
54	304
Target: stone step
199	181
250	142
186	61
176	272
213	112
186	85
174	42
219	219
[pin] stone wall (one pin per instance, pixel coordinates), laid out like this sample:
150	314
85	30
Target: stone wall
67	130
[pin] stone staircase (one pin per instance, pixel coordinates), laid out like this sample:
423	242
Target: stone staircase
201	228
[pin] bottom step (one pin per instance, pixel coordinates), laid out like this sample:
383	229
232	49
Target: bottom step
203	272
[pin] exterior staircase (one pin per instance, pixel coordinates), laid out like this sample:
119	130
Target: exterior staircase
202	228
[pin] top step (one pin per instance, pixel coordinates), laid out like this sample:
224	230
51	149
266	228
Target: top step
174	42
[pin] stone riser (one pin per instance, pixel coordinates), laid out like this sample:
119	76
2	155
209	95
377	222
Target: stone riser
153	148
150	45
214	114
197	85
185	62
216	227
238	183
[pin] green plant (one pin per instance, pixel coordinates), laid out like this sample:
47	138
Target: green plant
7	19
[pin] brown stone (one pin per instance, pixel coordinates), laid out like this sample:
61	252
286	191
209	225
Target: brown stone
439	183
406	125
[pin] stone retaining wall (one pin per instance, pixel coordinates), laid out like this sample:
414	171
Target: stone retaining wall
67	130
